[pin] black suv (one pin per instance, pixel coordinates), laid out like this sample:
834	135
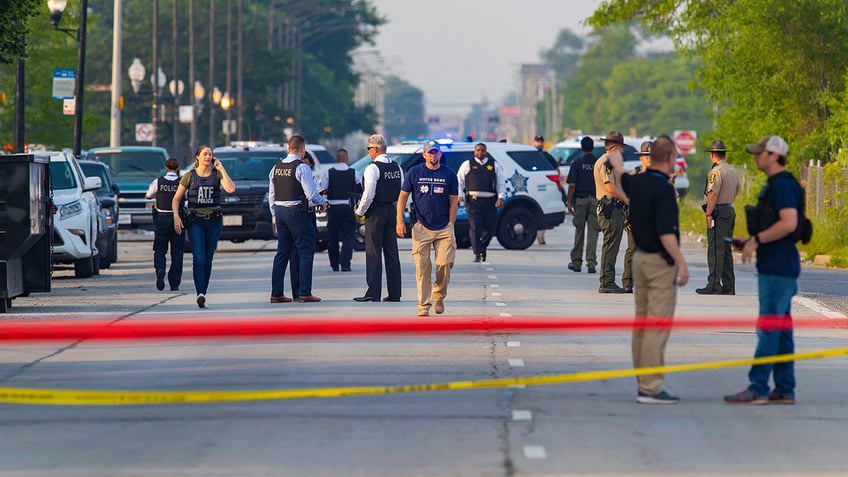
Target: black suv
246	212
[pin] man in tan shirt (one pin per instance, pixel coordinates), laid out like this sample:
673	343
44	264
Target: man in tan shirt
611	203
721	189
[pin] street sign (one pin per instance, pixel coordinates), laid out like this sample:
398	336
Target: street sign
63	83
685	141
69	106
186	114
144	132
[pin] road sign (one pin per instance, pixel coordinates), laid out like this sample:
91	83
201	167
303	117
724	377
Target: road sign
63	83
144	132
685	141
69	106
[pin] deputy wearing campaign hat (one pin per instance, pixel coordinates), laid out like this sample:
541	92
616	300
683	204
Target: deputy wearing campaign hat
611	203
720	191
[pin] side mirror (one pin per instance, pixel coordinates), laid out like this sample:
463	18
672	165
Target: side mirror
92	184
107	203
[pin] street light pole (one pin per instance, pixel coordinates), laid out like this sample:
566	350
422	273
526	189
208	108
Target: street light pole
155	107
56	8
115	110
212	73
175	116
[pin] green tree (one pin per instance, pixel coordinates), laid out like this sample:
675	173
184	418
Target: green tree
329	31
564	56
771	67
14	16
404	110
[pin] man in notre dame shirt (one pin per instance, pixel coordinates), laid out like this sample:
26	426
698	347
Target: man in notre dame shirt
163	189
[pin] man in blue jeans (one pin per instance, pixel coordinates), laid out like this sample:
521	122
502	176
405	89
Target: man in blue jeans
778	268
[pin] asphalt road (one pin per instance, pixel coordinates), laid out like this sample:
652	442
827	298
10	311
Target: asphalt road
584	428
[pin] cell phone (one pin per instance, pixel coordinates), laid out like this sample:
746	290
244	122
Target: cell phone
736	242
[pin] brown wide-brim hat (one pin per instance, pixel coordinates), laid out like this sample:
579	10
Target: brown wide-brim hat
613	137
717	146
645	148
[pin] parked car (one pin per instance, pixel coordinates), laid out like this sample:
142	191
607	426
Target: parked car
107	196
532	201
246	212
75	220
134	168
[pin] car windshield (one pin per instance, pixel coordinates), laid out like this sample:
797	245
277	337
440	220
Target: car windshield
250	165
531	160
128	163
323	157
405	160
92	169
61	176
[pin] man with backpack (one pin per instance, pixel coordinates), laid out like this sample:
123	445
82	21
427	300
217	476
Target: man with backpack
773	224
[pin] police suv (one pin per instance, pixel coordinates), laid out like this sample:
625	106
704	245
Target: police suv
532	200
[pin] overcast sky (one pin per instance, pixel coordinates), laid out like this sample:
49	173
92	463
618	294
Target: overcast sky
477	46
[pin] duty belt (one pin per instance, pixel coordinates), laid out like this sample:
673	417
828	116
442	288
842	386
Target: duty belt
721	206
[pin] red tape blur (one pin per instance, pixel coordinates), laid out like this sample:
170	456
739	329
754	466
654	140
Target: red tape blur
254	328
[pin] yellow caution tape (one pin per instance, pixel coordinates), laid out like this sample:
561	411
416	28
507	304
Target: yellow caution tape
70	397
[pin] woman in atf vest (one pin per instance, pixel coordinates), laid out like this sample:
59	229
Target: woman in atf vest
204	218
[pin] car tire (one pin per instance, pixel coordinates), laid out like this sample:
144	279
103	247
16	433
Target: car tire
84	267
463	242
95	265
321	245
517	228
113	249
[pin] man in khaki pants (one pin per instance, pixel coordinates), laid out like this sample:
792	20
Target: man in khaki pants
435	198
658	266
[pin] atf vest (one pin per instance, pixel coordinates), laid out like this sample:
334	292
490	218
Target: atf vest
481	178
204	191
341	184
388	183
286	185
165	191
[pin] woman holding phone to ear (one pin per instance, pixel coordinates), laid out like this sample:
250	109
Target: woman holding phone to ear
203	183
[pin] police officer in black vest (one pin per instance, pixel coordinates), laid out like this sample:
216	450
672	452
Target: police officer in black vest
163	189
291	188
482	186
381	186
341	183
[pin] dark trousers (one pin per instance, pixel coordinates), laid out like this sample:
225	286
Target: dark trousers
164	237
341	227
380	243
482	221
203	234
294	261
719	252
295	235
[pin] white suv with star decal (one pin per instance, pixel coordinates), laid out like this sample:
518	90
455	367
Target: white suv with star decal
533	200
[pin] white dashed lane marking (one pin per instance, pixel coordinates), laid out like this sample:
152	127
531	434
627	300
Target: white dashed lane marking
535	452
513	344
505	315
500	303
516	362
521	415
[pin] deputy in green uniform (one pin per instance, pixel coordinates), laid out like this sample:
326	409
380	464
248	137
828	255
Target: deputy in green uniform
721	189
611	203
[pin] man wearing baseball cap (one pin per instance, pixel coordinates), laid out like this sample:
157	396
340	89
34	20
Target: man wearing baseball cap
722	188
435	195
772	230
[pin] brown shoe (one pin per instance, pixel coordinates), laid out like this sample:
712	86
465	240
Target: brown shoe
280	299
308	299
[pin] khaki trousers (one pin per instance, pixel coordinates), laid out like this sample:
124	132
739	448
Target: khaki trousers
655	292
444	243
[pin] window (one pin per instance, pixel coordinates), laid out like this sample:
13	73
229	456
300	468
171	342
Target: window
531	160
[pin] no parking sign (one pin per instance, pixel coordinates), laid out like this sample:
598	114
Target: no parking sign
144	132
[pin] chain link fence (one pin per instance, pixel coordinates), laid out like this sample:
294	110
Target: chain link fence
825	187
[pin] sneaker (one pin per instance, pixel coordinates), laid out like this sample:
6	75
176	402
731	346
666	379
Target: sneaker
423	312
439	306
779	398
160	279
201	301
661	397
746	397
628	289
